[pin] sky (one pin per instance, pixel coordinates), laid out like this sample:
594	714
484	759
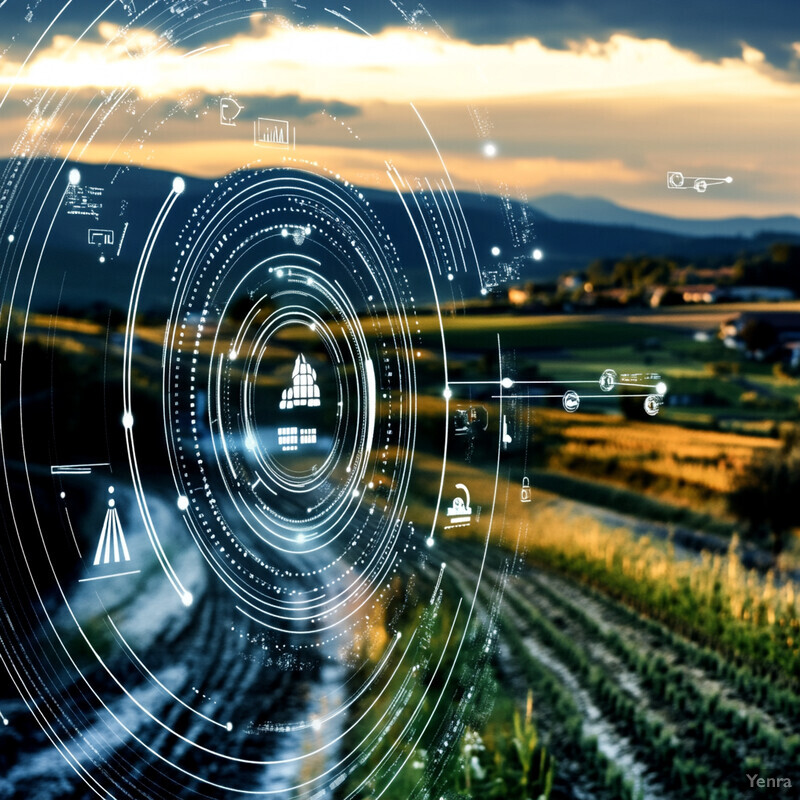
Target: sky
522	97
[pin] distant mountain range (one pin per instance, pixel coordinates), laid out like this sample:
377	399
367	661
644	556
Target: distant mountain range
571	232
600	211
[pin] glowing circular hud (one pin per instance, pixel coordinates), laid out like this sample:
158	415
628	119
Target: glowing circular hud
229	433
289	360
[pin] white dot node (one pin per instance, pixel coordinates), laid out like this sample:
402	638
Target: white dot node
74	177
490	149
178	185
661	387
183	502
10	238
506	383
429	541
538	255
447	393
495	251
127	420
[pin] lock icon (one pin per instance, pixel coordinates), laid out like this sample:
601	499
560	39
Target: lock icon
525	495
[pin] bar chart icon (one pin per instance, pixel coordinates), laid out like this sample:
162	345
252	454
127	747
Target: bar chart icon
272	133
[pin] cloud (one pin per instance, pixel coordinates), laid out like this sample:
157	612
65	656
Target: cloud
599	116
23	23
714	29
398	65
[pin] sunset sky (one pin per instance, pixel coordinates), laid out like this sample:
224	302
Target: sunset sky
575	98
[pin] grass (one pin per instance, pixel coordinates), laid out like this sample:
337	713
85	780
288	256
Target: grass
656	470
542	332
580	347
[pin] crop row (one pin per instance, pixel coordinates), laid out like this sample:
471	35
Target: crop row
715	475
568	741
716	725
670	759
747	619
763	692
646	436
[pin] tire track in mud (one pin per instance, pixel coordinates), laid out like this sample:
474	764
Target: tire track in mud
206	657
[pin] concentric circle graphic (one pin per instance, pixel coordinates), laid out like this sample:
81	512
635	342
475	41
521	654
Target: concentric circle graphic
237	445
290	359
